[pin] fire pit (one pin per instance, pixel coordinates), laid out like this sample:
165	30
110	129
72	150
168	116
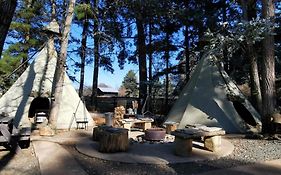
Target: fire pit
155	134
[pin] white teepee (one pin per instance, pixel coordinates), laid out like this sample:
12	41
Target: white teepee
37	83
212	99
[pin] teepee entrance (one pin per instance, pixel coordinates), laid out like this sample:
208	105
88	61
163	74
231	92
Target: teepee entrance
39	109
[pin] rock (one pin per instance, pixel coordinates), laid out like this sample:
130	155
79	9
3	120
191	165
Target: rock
46	131
276	118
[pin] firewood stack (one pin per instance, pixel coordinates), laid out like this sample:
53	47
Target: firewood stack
118	116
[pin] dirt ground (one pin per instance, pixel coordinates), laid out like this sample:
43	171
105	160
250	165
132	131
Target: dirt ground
23	162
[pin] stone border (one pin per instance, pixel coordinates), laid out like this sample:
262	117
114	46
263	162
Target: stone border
161	153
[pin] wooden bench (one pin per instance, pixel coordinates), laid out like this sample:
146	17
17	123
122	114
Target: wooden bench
143	123
171	126
184	137
81	121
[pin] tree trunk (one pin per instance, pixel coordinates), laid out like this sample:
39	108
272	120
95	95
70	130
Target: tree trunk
225	56
142	60
26	40
150	67
97	58
60	69
186	43
83	55
7	9
166	57
249	12
254	76
268	70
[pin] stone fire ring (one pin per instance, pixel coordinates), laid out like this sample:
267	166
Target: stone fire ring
154	134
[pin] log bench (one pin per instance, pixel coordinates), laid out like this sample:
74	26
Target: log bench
211	137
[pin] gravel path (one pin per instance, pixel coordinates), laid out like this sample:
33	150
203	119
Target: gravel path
247	151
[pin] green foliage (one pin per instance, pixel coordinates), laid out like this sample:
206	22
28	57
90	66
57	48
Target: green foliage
23	39
83	11
236	37
158	87
7	65
130	84
20	27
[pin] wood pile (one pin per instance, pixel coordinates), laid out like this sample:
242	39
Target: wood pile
118	116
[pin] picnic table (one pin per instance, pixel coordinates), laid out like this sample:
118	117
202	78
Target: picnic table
11	137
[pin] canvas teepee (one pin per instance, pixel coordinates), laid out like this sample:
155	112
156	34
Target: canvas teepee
212	99
32	91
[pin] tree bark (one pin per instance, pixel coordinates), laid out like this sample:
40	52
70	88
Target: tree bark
60	69
142	60
97	58
268	70
7	9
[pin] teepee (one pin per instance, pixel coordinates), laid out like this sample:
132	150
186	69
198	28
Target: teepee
211	98
32	92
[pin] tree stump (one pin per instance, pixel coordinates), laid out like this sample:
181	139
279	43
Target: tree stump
97	132
183	146
114	140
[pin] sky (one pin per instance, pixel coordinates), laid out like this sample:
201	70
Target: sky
113	80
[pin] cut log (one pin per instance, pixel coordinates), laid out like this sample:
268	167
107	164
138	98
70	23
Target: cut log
171	127
97	131
114	140
183	146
